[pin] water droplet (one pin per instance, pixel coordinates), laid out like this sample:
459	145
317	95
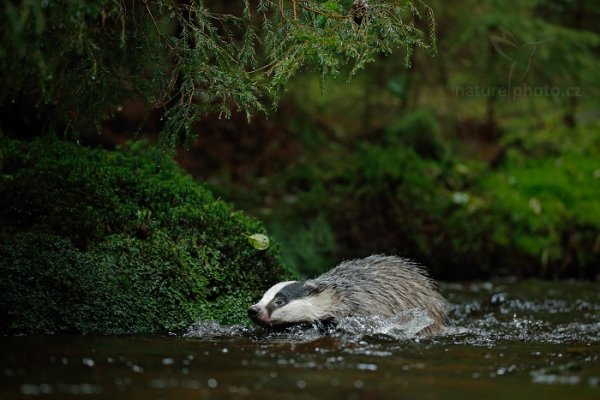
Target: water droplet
212	383
367	367
88	362
137	369
29	389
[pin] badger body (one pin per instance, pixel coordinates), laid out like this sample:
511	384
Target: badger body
378	285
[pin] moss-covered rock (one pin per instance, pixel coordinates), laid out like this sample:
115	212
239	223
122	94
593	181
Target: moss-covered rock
95	241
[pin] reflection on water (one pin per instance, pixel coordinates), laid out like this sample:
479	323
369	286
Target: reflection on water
518	339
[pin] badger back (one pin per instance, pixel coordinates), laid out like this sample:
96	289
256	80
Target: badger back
384	286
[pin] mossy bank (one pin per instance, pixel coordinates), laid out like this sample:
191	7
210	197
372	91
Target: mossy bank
119	242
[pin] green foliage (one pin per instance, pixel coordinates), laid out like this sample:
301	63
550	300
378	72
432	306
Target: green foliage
379	174
79	62
307	244
412	162
119	242
75	61
389	199
415	163
536	214
546	208
510	53
418	129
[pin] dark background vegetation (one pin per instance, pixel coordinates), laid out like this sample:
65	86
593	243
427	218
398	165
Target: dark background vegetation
475	151
480	160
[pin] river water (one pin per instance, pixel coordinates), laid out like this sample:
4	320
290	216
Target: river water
507	340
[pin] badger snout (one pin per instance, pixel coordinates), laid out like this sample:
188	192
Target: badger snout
253	311
258	316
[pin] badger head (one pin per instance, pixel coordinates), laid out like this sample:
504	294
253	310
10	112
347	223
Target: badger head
293	302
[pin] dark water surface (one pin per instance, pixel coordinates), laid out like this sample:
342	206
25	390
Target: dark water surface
508	340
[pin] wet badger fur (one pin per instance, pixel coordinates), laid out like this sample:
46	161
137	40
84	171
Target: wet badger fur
374	286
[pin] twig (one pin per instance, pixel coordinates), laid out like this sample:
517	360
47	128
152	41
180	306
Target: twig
156	25
328	15
152	18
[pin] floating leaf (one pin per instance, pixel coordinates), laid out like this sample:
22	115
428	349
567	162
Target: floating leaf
259	241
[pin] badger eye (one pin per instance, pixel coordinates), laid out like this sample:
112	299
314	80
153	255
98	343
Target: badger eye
279	302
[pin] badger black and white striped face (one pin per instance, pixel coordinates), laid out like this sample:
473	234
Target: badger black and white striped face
291	302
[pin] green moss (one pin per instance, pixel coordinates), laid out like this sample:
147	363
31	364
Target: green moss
119	242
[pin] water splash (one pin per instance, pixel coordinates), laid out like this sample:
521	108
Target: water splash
213	329
527	312
405	325
481	314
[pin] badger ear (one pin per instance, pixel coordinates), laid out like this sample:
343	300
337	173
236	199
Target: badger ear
310	288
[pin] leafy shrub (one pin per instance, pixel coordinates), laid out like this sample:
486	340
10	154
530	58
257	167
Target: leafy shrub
418	129
119	242
537	214
307	244
388	199
547	211
73	64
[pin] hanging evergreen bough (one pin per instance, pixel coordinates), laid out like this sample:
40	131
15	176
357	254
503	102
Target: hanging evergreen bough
78	63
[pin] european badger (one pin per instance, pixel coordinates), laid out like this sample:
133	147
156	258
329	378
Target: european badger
374	286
